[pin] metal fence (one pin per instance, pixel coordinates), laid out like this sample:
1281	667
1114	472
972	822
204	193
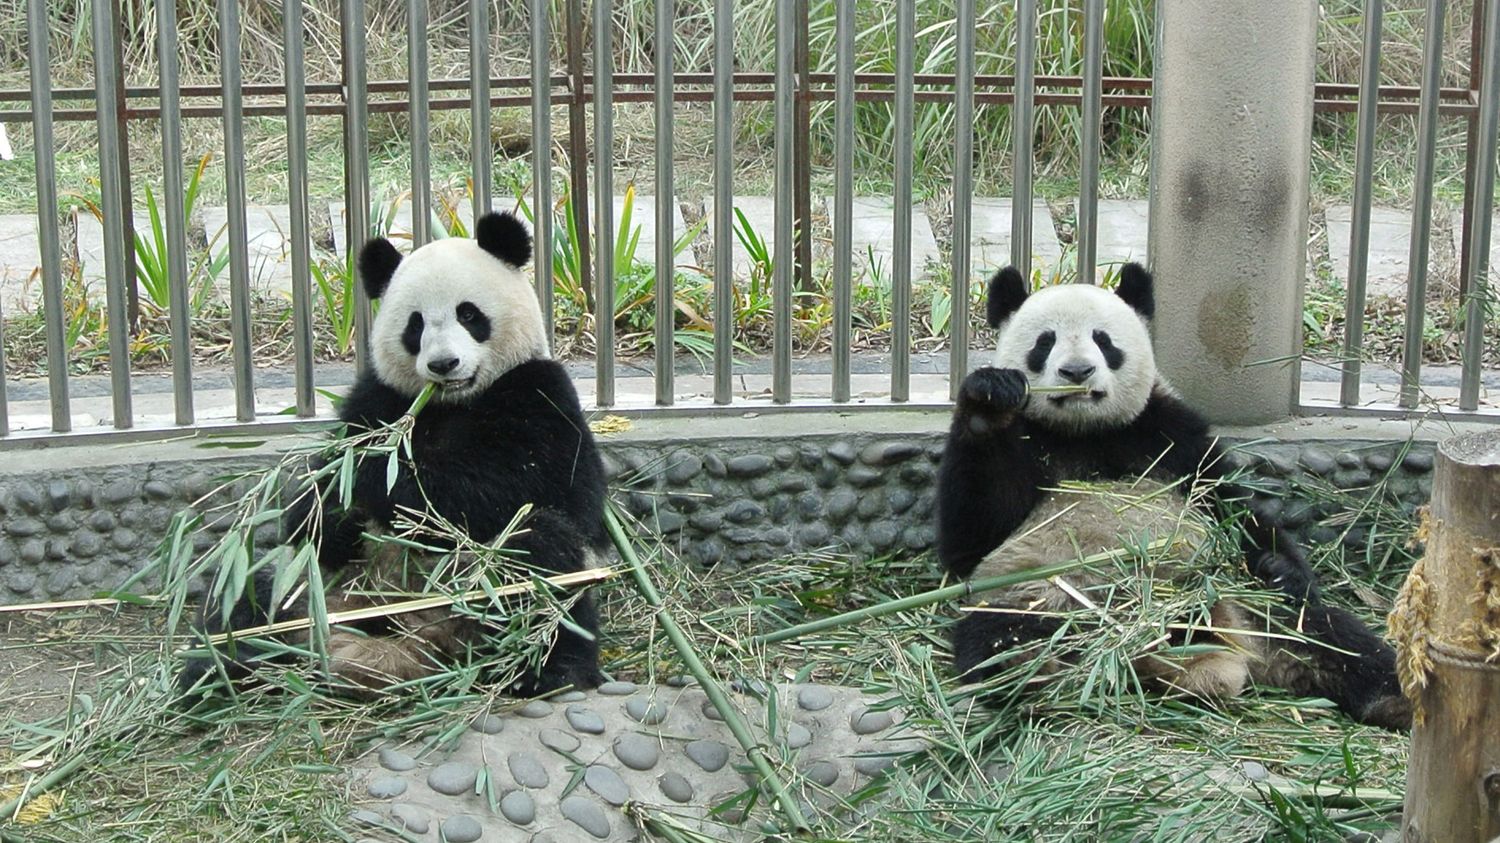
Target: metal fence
585	92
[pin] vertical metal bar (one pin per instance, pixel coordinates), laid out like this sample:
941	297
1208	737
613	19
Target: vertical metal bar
1022	120
801	147
604	202
479	105
296	186
127	195
904	106
963	204
356	167
1478	304
234	191
46	217
541	157
1421	214
117	272
724	322
421	154
578	149
666	309
1472	150
843	196
174	203
783	263
1087	232
1359	231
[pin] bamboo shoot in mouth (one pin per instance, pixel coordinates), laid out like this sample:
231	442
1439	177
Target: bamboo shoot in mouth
1061	389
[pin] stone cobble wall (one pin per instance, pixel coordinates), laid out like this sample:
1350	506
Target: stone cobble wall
71	533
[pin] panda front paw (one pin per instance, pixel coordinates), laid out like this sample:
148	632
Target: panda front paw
1287	574
990	392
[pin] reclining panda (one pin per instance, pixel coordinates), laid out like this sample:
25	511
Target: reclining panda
1032	478
503	429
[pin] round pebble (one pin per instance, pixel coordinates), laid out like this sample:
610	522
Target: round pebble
461	829
1255	771
814	698
367	818
396	761
680	681
558	739
488	724
636	751
453	778
753	687
518	807
872	765
675	787
618	689
528	771
729	805
410	817
710	711
645	710
387	787
586	814
824	773
535	708
585	720
570	697
710	755
797	736
607	783
866	722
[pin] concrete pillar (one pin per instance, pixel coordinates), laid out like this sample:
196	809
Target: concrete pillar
1231	130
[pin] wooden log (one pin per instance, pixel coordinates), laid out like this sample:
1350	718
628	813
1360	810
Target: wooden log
1447	627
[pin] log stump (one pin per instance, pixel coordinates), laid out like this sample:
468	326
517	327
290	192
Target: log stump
1447	629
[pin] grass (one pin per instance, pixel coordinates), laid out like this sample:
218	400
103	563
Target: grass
1094	758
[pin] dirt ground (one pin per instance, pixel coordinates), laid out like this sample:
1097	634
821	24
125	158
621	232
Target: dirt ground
49	658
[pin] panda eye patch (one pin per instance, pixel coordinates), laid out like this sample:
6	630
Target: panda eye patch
1114	357
1037	357
411	338
467	313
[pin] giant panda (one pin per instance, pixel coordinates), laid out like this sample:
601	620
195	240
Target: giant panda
1033	476
502	430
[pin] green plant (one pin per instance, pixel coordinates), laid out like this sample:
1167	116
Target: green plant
335	280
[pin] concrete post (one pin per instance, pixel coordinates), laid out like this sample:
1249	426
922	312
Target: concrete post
1231	130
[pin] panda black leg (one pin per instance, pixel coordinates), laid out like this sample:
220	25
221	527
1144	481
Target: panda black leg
1342	660
252	610
552	543
986	643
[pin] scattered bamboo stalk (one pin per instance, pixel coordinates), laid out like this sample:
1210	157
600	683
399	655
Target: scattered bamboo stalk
11	808
576	578
706	681
96	602
951	592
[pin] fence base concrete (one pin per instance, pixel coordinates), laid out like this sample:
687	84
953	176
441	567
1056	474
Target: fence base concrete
737	490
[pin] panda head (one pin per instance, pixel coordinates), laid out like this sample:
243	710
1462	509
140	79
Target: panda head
457	313
1078	334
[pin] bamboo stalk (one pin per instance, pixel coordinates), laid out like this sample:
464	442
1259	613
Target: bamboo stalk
576	578
706	681
951	592
11	808
96	602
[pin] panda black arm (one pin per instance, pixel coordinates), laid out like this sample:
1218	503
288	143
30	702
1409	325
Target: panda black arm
990	478
1271	554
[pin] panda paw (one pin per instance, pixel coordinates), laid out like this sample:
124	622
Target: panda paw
993	391
1287	574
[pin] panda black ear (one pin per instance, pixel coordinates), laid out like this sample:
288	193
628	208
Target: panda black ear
505	237
377	263
1007	292
1136	289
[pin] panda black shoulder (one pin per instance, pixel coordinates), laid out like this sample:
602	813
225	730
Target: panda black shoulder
371	403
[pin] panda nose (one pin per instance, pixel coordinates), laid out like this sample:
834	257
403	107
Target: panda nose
442	367
1075	372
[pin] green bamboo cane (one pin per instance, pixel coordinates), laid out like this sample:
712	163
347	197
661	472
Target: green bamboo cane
951	592
695	666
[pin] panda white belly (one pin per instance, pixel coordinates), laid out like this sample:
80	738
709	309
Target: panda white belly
1141	528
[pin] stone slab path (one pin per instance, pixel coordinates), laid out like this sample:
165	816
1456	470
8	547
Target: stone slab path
873	223
19	259
565	769
760	213
1123	225
268	237
1389	250
990	249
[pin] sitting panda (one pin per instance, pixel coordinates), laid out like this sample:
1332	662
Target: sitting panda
502	430
1032	479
